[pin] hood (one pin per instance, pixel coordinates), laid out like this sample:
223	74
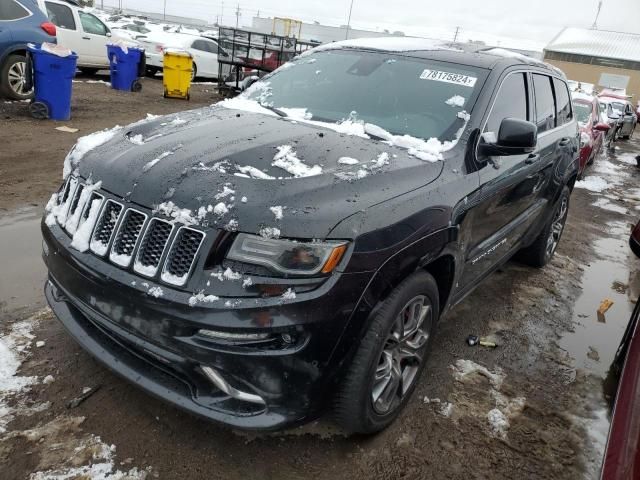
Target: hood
199	159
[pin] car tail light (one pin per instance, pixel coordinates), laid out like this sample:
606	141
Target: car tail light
159	48
49	28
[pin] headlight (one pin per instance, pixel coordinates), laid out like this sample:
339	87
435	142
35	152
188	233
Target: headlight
585	139
287	256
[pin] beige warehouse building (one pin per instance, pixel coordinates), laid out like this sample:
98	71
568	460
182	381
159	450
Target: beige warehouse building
606	59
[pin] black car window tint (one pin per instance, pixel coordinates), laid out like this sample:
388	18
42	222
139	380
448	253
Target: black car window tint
199	45
563	102
545	104
61	16
511	102
11	10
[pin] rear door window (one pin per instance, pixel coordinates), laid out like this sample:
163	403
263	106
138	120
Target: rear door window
12	10
545	105
563	102
60	15
512	102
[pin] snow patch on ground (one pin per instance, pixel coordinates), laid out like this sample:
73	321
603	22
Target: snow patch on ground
464	368
498	423
606	204
348	161
593	184
15	347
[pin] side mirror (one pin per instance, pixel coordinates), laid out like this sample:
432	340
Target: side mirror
602	127
515	137
108	34
250	81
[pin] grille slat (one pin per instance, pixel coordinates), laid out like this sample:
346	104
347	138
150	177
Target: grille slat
182	256
152	247
106	225
127	237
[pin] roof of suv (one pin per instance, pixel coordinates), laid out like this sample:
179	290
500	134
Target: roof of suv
474	55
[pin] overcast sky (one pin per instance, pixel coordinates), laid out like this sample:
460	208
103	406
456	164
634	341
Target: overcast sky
515	23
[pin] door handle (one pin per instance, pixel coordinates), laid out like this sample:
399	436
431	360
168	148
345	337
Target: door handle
86	38
534	157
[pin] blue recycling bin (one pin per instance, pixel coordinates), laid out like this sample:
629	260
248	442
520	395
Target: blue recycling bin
125	67
52	83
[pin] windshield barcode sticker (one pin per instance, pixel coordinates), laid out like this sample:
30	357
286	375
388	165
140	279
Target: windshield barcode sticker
449	77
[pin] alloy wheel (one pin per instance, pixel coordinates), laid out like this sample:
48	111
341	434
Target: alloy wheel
557	226
402	355
17	78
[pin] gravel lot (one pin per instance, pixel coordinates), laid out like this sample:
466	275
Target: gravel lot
546	375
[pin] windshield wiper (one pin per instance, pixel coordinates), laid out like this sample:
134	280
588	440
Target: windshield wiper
275	110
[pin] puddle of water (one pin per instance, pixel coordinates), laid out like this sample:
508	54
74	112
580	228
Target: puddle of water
594	342
23	271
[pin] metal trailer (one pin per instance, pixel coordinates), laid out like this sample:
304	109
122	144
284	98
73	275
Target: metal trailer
243	54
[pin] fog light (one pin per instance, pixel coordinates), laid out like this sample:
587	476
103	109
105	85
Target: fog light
234	337
286	338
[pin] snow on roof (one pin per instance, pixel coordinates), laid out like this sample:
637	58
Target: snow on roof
387	44
597	43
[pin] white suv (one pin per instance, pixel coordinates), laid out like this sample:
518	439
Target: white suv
80	31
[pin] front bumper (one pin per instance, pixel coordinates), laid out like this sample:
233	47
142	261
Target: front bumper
154	342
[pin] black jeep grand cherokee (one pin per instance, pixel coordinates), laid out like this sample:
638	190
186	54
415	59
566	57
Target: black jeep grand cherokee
257	261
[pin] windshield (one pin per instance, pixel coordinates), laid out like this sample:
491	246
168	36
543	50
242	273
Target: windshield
402	95
583	112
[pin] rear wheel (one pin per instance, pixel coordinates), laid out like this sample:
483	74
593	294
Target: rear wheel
543	248
194	72
390	357
13	80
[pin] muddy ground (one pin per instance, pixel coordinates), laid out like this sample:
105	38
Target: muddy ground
545	377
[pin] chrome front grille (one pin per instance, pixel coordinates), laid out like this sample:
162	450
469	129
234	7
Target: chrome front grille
185	246
127	237
105	227
153	246
126	234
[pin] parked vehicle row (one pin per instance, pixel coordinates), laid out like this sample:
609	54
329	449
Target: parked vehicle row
255	315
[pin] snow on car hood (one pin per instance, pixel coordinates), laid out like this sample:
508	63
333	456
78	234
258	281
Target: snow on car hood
229	168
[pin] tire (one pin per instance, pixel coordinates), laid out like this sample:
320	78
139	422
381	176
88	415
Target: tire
150	72
90	71
369	398
194	71
541	251
12	78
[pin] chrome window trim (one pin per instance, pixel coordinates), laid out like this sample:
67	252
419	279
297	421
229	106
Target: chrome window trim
115	227
164	249
195	255
116	232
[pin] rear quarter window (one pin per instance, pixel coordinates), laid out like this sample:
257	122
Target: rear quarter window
61	16
563	102
545	105
12	10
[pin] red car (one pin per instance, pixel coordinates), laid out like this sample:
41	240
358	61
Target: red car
592	129
622	455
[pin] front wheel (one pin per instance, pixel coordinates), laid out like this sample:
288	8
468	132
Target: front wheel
390	358
13	78
543	248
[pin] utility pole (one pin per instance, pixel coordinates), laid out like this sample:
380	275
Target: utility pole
455	37
346	37
237	16
164	11
222	14
595	22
